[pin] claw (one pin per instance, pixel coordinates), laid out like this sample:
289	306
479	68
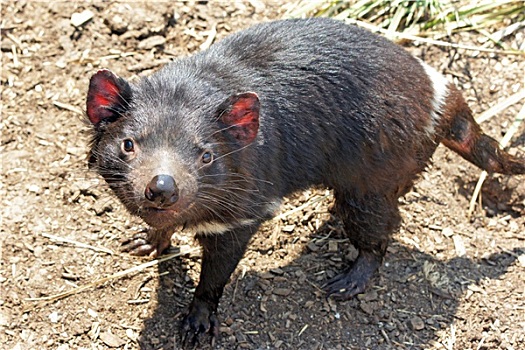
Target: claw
201	320
342	287
147	243
347	285
139	245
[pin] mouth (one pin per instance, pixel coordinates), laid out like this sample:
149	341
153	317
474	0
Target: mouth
160	217
165	217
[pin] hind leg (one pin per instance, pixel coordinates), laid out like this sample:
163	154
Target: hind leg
369	223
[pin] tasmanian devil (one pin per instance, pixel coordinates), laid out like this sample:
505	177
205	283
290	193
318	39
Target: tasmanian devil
212	142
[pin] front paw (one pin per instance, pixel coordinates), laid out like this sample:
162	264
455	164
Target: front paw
354	281
201	319
147	243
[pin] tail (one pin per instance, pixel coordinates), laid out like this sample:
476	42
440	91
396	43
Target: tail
465	137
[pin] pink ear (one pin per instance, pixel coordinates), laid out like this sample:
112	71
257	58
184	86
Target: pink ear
241	113
108	96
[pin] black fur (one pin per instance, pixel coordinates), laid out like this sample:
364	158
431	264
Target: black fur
334	105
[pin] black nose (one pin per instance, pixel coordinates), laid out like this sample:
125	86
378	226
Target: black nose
162	191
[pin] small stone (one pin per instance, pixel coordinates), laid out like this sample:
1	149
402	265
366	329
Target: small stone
226	330
447	232
33	188
79	19
240	337
5	318
389	326
38	251
53	317
263	284
277	271
117	24
282	291
312	246
521	260
92	313
61	64
370	296
411	227
417	323
131	334
266	275
262	308
367	308
258	5
101	207
288	228
352	254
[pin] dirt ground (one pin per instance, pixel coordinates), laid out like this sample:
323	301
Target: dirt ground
447	282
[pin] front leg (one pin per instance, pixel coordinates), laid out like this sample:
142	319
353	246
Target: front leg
220	255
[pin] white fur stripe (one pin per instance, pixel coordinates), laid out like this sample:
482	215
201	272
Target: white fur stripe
216	228
439	84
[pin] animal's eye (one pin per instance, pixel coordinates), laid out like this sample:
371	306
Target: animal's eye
207	157
128	146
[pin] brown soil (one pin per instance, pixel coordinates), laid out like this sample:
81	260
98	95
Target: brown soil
427	295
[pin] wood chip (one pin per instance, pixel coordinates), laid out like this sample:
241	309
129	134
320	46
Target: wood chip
151	42
459	245
111	339
277	271
147	65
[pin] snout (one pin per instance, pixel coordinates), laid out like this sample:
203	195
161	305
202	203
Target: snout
162	191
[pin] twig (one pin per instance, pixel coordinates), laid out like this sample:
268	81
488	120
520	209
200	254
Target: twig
78	244
302	330
212	33
506	103
299	208
15	40
514	127
392	34
500	34
68	107
49	299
